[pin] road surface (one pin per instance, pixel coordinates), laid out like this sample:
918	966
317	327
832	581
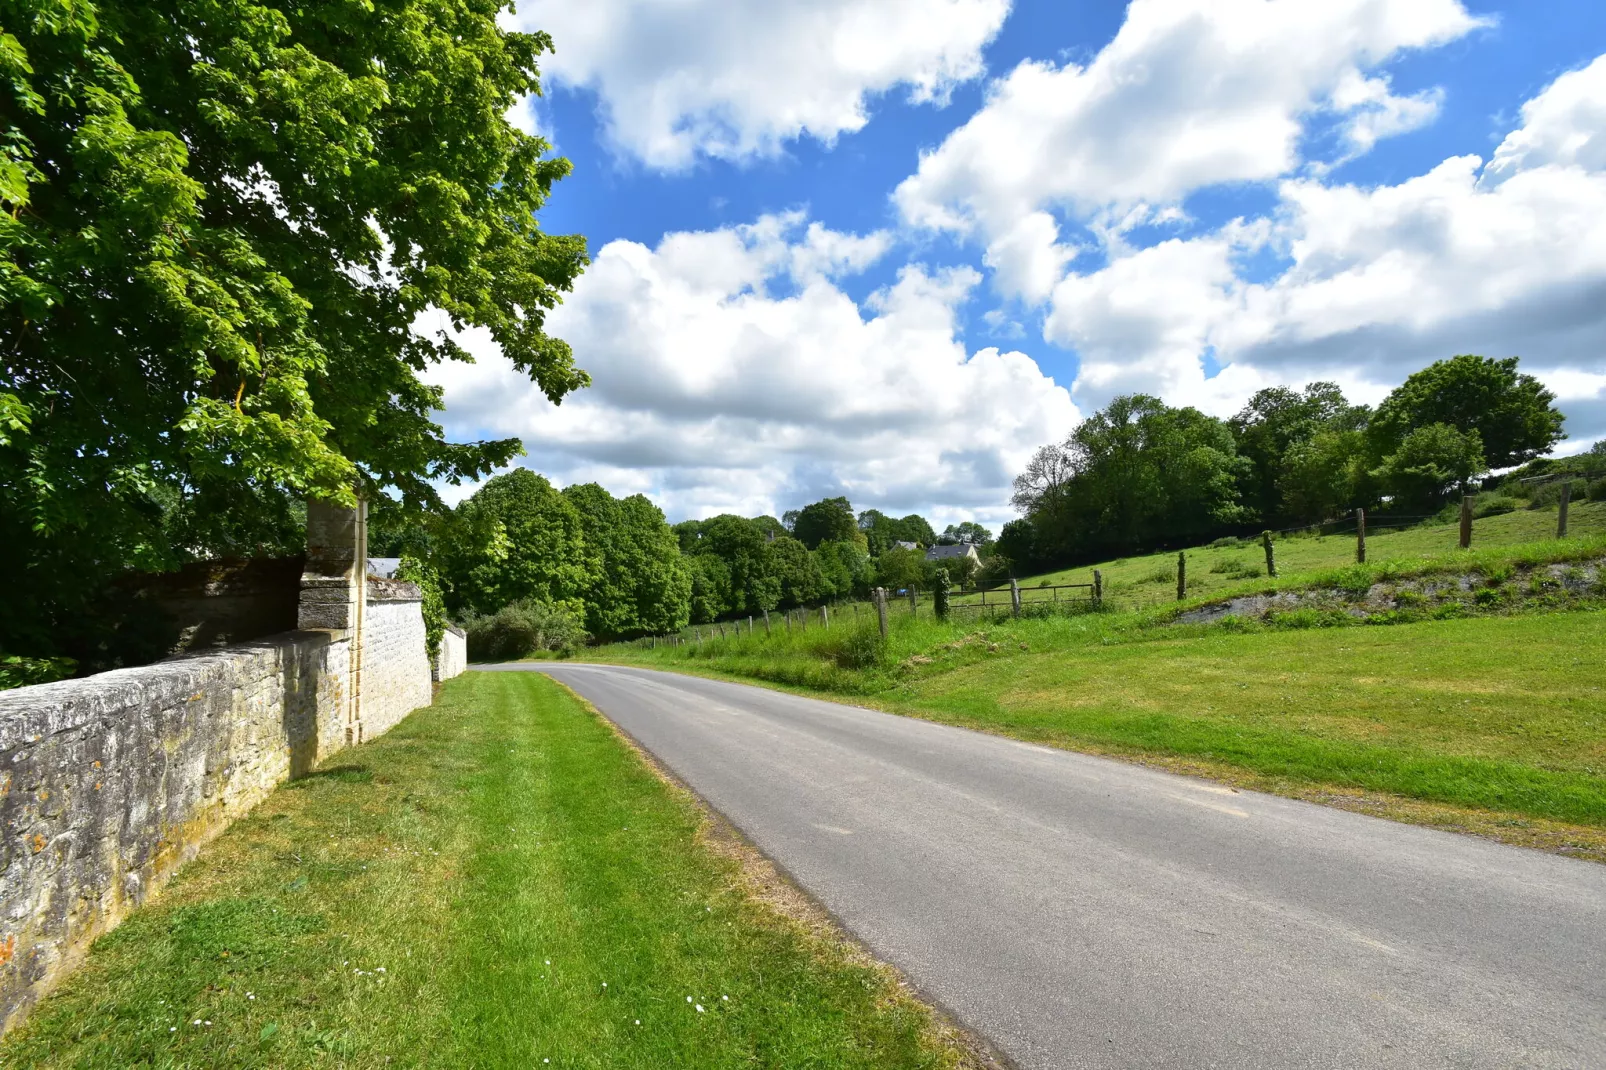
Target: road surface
1082	912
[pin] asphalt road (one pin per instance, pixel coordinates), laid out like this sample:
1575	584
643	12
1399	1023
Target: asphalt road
1081	912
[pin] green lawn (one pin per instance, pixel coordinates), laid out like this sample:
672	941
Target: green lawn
1497	713
498	882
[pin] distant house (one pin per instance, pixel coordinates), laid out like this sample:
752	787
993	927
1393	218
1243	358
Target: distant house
900	544
948	553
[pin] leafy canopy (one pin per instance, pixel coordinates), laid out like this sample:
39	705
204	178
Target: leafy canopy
222	221
830	520
1511	412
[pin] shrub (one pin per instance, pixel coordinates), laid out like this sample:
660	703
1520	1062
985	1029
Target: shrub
16	671
522	628
1166	574
1355	581
1597	491
1309	618
1549	494
858	647
1496	506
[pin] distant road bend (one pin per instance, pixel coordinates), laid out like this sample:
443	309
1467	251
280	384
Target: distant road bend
1082	912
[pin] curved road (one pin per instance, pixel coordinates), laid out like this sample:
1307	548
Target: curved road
1082	912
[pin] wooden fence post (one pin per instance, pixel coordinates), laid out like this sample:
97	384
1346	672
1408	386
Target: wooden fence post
749	624
1561	508
1271	554
1466	521
1360	536
913	603
766	620
1182	574
825	618
881	609
1098	586
1014	597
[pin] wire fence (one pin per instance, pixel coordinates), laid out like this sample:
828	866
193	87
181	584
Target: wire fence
1015	599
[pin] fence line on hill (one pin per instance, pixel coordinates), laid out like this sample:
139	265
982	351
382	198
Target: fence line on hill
884	603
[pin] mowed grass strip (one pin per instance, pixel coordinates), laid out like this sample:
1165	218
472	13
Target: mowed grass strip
498	882
1500	713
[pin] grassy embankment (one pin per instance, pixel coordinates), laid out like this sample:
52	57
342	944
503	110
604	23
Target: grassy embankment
1485	713
498	882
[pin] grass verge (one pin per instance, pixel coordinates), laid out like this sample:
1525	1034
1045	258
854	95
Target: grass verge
497	882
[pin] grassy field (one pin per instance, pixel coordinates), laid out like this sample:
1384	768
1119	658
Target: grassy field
498	882
1151	579
1494	722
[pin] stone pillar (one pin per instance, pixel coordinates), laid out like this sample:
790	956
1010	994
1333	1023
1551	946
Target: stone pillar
336	572
334	587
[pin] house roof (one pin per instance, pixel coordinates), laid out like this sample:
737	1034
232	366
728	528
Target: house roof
904	545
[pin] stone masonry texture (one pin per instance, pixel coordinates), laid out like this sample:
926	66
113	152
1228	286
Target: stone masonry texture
111	782
395	659
452	659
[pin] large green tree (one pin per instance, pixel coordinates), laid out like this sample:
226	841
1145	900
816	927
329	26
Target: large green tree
222	221
539	552
845	569
1431	462
1135	474
640	585
1512	413
830	520
1273	422
744	547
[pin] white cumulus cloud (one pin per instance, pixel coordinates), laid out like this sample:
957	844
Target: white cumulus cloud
735	79
731	372
1186	96
1502	258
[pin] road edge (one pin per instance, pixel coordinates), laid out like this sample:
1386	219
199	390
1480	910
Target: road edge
769	884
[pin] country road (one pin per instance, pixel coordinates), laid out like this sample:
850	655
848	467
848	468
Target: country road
1082	912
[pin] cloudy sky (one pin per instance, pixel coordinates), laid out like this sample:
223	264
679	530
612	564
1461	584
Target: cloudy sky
886	248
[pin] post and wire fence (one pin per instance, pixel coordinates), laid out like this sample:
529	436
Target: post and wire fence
1015	600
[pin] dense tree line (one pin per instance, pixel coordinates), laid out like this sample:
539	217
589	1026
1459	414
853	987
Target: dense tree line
1140	474
524	562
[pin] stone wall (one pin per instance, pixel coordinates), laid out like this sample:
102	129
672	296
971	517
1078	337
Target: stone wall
452	658
395	658
109	783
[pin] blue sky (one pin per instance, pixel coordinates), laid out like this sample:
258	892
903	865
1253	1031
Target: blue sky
888	247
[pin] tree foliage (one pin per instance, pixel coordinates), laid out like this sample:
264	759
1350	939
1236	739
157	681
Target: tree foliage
1513	413
639	584
830	520
1431	462
1139	474
542	554
612	563
1275	421
968	533
221	220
